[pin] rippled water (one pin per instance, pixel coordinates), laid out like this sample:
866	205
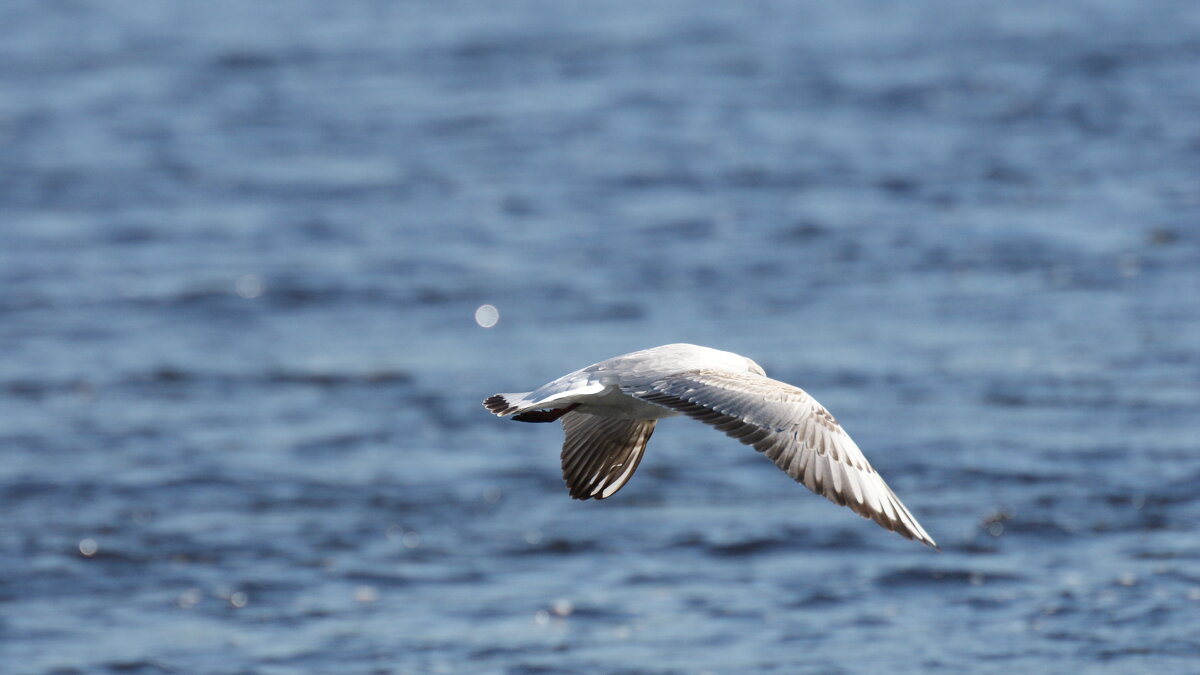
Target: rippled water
243	245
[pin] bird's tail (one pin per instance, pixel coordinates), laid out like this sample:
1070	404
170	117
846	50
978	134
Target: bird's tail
504	404
507	404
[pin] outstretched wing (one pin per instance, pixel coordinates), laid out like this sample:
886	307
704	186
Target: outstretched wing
797	433
601	453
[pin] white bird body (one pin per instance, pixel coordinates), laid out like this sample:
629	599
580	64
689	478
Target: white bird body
609	410
598	388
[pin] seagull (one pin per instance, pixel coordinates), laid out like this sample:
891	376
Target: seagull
608	412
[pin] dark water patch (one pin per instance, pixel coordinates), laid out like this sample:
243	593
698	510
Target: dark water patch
37	390
442	577
804	231
608	312
440	295
262	587
1180	490
748	547
296	495
293	294
169	376
845	378
1165	554
333	542
441	409
469	123
1064	517
323	230
932	576
1006	174
512	654
693	229
987	603
1100	453
764	178
978	475
108	555
558	546
817	598
164	375
283	188
520	668
978	546
491	51
1139	521
1004	523
1052	264
1053	394
839	539
788	538
1175	648
648	579
339	443
520	206
658	180
132	235
873	621
375	578
1182	574
136	667
245	60
337	379
26	488
899	185
1163	236
587	611
284	294
1146	617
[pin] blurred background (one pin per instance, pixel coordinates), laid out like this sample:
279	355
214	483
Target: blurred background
243	246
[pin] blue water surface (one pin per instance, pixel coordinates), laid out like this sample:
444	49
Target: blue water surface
242	246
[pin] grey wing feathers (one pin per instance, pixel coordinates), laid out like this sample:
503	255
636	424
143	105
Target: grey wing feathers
600	454
790	427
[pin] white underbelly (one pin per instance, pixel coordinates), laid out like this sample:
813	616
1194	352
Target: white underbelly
614	403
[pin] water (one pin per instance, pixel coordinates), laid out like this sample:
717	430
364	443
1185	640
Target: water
243	246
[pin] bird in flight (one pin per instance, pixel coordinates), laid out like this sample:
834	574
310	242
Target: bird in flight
608	412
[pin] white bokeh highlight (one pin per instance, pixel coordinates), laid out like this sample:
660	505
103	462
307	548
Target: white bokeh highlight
487	316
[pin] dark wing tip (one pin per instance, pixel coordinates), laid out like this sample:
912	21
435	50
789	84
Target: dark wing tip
912	532
498	405
762	440
926	540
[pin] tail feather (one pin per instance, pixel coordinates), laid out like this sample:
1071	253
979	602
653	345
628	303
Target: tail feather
503	404
550	415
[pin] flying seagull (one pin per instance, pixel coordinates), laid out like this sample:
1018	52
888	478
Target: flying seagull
608	411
